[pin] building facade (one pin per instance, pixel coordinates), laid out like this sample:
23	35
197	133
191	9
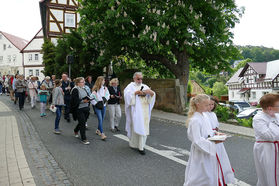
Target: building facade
58	17
253	81
32	57
11	61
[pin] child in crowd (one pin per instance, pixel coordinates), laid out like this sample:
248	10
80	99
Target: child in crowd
226	173
202	165
43	94
266	126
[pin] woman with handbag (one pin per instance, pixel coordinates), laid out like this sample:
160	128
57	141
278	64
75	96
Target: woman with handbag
100	95
32	85
58	102
80	101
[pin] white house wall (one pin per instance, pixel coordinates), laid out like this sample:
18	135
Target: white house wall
13	65
33	71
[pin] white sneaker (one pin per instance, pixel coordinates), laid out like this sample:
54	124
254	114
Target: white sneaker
85	142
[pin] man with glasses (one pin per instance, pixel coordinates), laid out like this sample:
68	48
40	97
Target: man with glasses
139	101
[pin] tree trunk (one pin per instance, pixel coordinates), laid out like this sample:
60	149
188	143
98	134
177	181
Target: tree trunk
182	73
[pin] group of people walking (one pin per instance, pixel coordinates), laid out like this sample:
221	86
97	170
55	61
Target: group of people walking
208	162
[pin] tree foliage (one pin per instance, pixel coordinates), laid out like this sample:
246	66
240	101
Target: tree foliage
173	34
259	53
48	51
219	89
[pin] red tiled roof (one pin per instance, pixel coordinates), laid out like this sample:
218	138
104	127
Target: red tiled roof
16	41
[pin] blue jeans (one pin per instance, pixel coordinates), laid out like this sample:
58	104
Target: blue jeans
58	116
0	88
100	115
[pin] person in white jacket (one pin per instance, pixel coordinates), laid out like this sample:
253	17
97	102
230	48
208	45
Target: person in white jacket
225	171
266	147
202	168
100	95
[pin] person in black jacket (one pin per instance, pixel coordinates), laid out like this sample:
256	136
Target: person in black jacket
114	104
80	108
66	86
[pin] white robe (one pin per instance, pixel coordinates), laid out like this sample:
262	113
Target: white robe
221	151
202	164
138	110
266	129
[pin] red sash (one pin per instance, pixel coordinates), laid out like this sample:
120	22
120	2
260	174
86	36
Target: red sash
223	178
276	146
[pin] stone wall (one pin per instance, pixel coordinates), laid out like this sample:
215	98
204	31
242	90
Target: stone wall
168	93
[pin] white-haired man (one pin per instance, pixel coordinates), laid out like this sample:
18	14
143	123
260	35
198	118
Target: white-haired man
139	101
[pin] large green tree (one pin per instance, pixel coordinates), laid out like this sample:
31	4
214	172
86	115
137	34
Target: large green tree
172	33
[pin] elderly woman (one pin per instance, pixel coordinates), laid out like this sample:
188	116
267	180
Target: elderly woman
21	89
113	104
49	86
33	92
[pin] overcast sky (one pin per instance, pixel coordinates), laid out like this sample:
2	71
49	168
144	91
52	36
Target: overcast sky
258	26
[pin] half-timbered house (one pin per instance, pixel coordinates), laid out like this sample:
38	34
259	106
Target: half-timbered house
253	81
32	57
10	56
58	17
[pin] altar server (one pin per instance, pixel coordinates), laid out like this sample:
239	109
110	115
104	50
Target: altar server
225	171
202	168
266	147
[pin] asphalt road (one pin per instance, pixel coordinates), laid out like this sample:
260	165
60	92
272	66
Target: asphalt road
112	162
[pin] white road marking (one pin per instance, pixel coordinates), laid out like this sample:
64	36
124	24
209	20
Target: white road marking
173	151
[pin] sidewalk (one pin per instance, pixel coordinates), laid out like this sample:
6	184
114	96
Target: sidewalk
14	169
181	119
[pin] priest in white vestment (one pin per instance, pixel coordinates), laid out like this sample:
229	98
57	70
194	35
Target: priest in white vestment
139	101
266	148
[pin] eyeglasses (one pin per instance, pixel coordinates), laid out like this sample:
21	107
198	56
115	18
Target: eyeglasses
139	79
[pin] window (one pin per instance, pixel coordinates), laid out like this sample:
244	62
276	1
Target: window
37	72
254	95
14	58
9	58
255	79
29	57
1	58
9	46
36	57
232	94
0	36
31	72
4	46
70	20
247	80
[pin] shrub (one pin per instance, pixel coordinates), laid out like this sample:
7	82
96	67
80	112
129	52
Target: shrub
223	113
245	122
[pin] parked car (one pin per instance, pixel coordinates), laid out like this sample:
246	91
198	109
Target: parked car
248	113
240	105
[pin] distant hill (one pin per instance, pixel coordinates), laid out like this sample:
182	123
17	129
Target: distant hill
259	53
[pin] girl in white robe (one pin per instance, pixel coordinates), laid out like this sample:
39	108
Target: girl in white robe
226	173
266	147
202	168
